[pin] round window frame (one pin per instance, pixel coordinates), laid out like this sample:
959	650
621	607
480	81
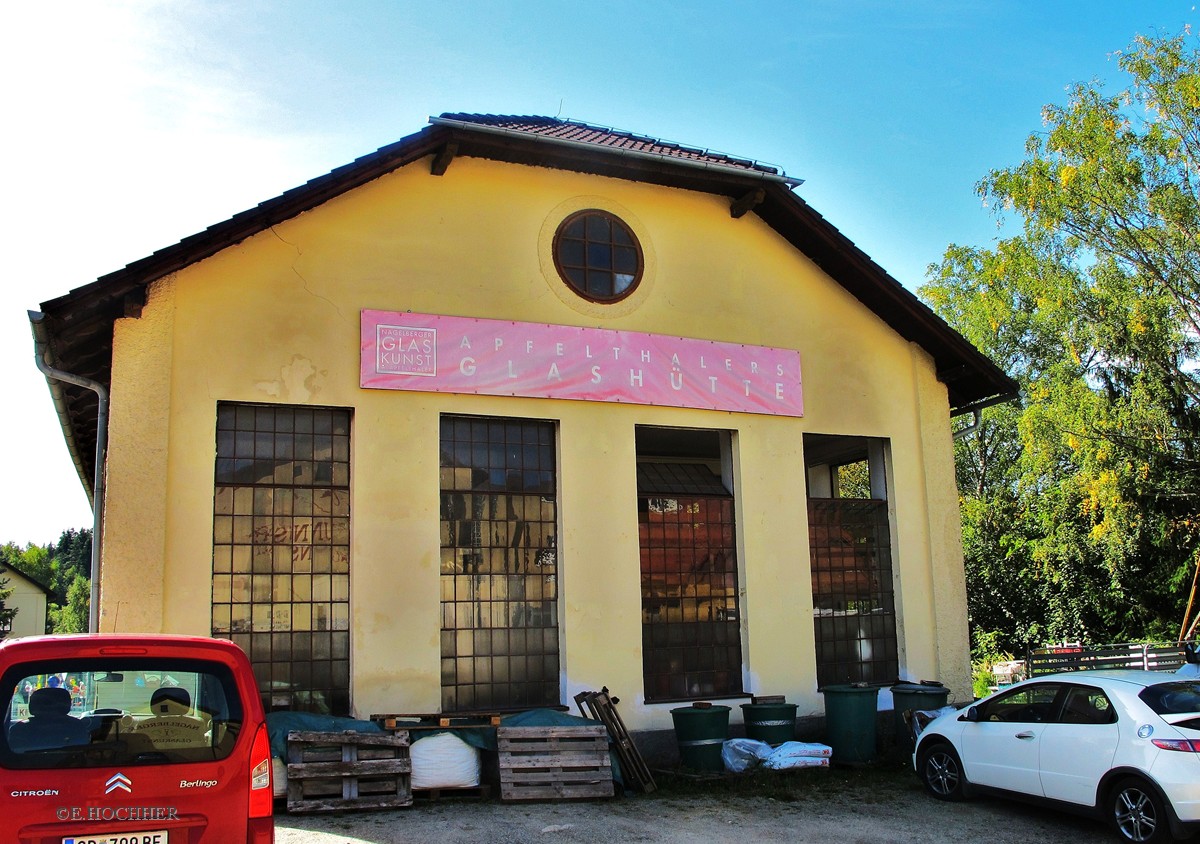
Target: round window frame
613	219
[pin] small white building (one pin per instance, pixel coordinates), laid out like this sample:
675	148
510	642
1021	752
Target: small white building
29	599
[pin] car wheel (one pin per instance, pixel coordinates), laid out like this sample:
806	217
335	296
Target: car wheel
941	771
1138	813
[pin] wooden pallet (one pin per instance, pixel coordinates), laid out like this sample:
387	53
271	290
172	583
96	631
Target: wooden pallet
603	708
554	763
329	772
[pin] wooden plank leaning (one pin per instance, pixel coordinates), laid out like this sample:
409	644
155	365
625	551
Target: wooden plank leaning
602	707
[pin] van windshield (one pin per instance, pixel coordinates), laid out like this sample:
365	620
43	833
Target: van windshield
96	712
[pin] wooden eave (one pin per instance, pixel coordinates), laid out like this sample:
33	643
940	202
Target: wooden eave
80	323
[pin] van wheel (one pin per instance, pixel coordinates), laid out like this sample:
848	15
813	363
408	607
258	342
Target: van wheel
1138	812
941	771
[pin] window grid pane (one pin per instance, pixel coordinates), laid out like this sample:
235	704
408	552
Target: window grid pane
499	585
854	605
281	550
598	255
691	634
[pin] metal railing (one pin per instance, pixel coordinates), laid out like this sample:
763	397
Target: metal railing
1149	656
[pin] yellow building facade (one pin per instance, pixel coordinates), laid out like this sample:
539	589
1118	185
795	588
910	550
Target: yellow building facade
433	547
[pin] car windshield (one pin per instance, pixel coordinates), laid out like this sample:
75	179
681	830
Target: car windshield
1181	697
95	712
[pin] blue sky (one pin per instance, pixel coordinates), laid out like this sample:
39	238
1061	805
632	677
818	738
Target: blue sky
134	123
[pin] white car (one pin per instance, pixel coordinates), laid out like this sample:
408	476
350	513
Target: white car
1121	745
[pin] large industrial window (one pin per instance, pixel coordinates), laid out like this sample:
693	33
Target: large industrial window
281	550
691	630
850	547
499	564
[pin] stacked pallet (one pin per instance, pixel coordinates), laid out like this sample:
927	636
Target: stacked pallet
554	763
330	772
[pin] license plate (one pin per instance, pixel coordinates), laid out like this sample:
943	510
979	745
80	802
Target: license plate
156	837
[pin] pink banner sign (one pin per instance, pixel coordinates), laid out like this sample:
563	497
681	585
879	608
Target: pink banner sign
442	354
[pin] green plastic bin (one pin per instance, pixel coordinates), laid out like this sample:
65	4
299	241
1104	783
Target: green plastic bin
700	732
773	723
850	721
910	696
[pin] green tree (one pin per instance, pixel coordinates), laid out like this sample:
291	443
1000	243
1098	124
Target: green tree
72	616
1081	515
37	563
73	553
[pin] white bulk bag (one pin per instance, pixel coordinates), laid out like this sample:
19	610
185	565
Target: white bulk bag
444	761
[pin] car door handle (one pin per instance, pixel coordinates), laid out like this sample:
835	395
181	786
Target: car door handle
1026	735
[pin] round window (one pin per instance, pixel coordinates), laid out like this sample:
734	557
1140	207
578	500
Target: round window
598	256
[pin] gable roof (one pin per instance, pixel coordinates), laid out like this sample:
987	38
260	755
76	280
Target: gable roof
9	571
74	331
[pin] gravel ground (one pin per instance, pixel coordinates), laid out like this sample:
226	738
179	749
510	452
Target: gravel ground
880	809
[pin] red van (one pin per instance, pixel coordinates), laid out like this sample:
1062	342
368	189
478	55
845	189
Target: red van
125	739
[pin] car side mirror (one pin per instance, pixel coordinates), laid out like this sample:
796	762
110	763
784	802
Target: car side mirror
972	715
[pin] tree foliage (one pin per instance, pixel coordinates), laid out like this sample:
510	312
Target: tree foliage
1080	503
72	616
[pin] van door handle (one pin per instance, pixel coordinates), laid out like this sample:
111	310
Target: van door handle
1026	735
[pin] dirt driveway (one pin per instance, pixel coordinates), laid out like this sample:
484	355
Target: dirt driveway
887	807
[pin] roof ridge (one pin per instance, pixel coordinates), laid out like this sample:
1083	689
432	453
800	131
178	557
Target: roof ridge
607	136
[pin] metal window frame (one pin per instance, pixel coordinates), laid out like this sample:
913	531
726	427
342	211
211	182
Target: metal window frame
854	598
285	561
692	626
499	583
